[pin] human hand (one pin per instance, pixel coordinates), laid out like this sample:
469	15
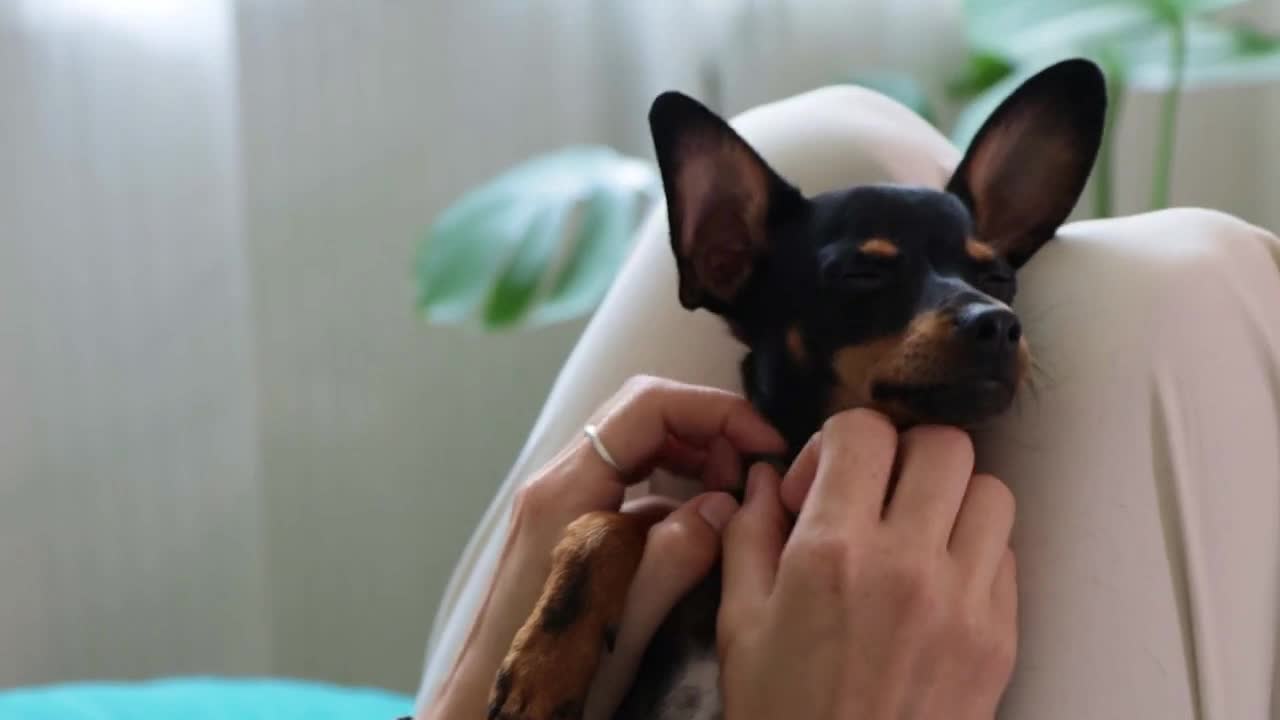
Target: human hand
868	610
692	431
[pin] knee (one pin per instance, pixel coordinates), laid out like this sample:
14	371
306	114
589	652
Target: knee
1136	287
1171	257
842	135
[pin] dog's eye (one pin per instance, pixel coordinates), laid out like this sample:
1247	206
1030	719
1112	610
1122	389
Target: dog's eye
999	283
846	270
864	278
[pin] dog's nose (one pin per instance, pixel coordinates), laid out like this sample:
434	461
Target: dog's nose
990	327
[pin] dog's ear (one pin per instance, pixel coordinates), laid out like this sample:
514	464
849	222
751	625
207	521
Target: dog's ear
1026	167
721	200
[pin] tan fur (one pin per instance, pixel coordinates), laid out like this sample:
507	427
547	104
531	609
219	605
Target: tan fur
924	354
879	247
855	366
979	250
918	355
796	346
548	670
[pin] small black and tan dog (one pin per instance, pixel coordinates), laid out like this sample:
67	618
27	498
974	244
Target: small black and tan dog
890	297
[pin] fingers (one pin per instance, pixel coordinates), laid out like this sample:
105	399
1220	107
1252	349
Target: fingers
1004	605
980	539
652	507
935	464
651	422
679	553
855	460
795	486
723	470
752	545
1004	593
679	458
636	428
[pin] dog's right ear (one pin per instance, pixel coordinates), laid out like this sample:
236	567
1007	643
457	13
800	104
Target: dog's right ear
1026	167
721	198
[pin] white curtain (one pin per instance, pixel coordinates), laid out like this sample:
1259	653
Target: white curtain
131	520
226	442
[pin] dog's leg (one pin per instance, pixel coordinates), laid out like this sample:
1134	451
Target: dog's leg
549	669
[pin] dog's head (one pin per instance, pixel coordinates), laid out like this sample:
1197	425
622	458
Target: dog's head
891	297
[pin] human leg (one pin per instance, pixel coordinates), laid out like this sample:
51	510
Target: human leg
1146	465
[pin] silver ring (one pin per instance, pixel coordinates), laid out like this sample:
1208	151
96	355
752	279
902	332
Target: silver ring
593	434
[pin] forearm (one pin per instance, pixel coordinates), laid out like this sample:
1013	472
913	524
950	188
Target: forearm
512	595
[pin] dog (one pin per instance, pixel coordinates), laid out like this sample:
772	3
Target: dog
883	296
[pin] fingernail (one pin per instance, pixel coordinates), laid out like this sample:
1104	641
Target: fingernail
717	509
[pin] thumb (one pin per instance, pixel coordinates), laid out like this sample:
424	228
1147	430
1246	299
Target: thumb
678	554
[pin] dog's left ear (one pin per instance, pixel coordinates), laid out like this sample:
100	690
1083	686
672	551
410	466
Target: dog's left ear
722	199
1026	167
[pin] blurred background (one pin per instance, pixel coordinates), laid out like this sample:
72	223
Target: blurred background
230	443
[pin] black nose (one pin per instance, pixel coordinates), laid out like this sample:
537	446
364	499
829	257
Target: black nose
990	327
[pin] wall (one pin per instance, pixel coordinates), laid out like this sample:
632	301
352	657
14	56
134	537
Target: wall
131	523
381	437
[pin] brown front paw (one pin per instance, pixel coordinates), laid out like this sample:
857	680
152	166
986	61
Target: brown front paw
553	659
541	683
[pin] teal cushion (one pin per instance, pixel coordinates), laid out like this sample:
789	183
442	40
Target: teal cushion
202	699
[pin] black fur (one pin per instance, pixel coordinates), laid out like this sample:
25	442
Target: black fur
800	267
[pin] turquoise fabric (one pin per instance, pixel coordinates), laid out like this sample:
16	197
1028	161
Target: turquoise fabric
202	699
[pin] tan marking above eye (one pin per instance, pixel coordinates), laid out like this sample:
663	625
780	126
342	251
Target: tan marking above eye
879	247
979	251
796	346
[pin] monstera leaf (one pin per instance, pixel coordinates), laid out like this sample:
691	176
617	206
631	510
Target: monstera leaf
538	244
1216	55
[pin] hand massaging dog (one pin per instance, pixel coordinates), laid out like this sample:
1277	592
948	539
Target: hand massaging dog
882	296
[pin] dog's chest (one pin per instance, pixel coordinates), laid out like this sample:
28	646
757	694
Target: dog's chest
679	678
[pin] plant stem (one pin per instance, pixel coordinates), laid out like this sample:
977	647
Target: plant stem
1163	174
1104	172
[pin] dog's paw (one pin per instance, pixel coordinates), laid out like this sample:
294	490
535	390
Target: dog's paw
554	656
547	678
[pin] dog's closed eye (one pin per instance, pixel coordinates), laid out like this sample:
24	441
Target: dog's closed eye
857	270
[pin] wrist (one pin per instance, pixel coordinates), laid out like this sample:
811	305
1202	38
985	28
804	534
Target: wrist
513	592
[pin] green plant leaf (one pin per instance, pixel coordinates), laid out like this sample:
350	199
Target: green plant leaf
982	70
605	229
492	256
518	282
1190	7
1033	29
1217	55
1082	29
901	87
